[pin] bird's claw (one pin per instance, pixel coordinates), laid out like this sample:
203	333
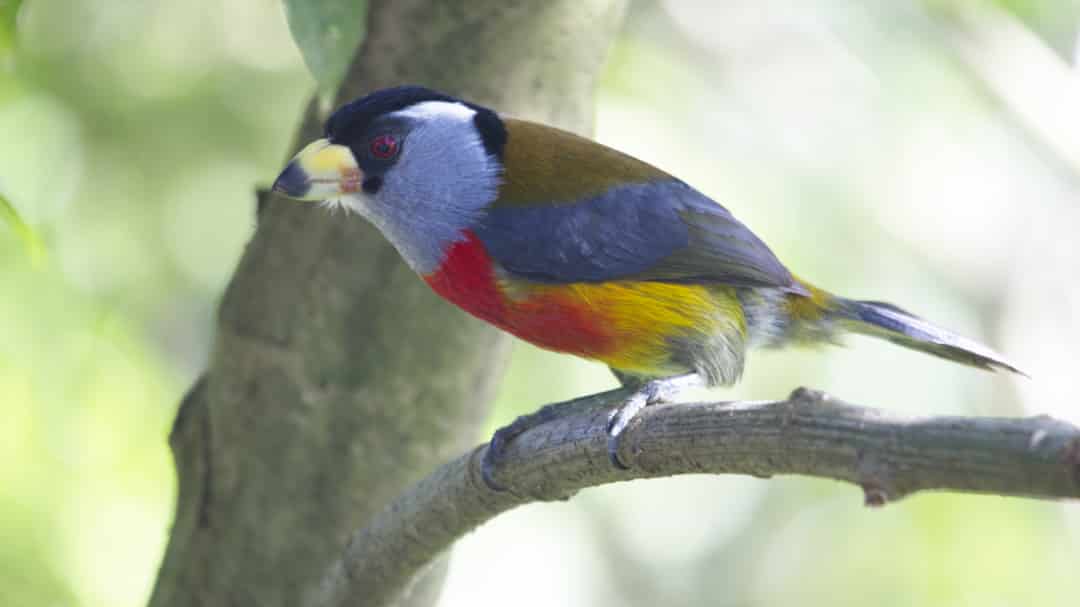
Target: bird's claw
620	418
649	393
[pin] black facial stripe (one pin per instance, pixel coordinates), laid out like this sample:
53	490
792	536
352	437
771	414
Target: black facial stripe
492	130
371	185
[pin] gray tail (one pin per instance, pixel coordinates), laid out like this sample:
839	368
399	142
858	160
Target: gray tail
890	322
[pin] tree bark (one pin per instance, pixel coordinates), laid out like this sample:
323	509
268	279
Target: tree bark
337	379
811	434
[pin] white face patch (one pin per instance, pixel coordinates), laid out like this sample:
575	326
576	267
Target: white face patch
438	110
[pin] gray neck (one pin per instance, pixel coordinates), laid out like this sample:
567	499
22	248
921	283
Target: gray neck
422	240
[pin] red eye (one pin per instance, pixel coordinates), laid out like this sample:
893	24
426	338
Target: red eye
384	146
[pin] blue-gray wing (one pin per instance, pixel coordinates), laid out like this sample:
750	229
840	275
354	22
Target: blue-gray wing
662	231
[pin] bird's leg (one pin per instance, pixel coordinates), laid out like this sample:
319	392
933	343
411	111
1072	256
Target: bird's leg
545	414
649	392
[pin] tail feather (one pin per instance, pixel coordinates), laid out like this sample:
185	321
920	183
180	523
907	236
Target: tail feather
889	322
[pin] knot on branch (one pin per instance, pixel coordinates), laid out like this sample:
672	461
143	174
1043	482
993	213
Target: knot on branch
807	396
875	478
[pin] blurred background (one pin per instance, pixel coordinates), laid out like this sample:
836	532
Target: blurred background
922	152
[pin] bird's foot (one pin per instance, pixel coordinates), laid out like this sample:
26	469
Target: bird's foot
502	437
649	393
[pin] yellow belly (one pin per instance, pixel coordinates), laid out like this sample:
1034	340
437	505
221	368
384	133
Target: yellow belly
638	325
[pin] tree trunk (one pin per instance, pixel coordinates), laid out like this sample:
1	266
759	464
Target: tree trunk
337	378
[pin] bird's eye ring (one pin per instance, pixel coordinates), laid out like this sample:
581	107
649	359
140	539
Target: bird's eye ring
384	147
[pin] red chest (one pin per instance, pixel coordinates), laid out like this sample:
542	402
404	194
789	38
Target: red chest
552	317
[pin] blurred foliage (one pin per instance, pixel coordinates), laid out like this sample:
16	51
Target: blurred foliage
1054	20
327	33
135	134
845	133
9	11
34	246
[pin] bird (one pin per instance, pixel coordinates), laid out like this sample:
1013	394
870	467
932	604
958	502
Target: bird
581	249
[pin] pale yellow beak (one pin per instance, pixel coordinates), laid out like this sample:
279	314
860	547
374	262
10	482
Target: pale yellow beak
320	171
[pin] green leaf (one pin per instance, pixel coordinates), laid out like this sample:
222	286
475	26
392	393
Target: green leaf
327	33
9	11
34	246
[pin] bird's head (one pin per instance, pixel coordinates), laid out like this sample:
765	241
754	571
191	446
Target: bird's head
419	164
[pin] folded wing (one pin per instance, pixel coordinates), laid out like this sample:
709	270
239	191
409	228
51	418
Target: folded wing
659	230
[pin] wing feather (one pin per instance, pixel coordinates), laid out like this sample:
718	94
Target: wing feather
663	231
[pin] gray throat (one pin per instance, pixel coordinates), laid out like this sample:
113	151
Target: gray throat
421	239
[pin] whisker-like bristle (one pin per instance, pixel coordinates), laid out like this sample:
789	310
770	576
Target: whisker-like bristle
333	205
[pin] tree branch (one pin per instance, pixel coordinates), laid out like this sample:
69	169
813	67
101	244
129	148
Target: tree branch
809	434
